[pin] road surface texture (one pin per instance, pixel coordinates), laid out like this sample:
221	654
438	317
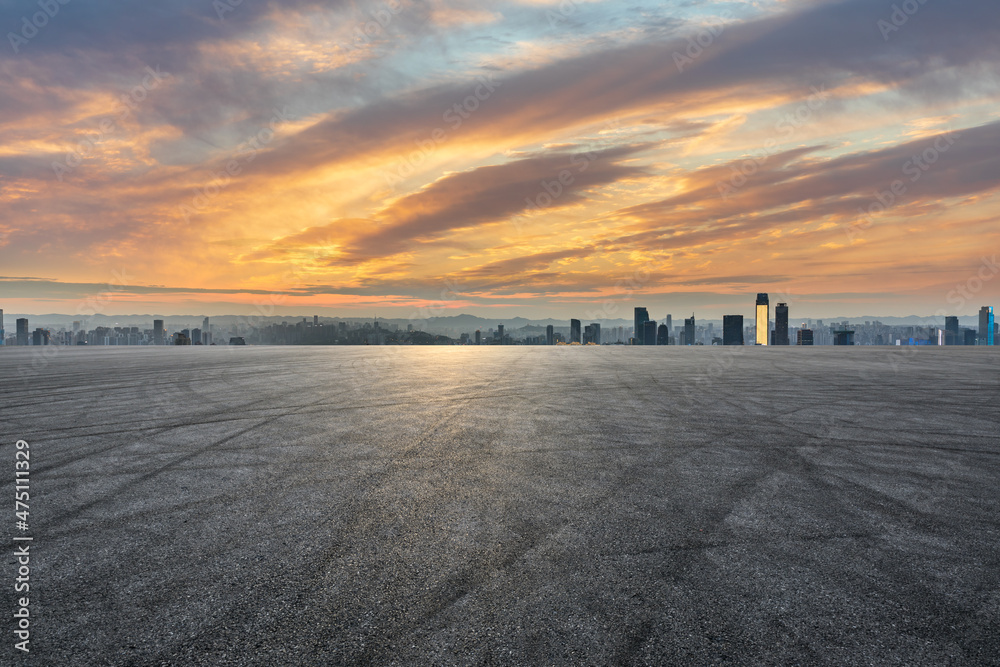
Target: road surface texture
507	505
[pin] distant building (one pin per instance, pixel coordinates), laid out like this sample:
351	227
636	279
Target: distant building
804	337
670	328
689	330
550	335
649	332
969	337
662	335
237	340
843	337
182	338
158	333
762	316
479	337
986	325
595	333
196	337
40	337
500	333
22	331
732	330
574	331
951	331
781	324
2	332
641	317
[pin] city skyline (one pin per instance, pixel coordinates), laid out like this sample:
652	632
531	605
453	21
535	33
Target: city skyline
545	157
645	331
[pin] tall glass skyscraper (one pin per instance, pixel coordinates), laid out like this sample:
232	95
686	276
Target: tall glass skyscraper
781	324
574	331
689	330
985	325
732	329
763	316
641	317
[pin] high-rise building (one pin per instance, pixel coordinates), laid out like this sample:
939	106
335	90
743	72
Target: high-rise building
732	330
986	323
662	335
843	337
689	330
550	335
574	331
40	337
196	337
479	337
500	333
670	327
158	333
2	332
763	314
595	333
804	337
641	317
951	331
22	331
649	332
315	321
781	324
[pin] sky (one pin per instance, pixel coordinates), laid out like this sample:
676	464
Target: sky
526	157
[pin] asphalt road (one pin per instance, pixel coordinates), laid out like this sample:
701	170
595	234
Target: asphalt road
518	505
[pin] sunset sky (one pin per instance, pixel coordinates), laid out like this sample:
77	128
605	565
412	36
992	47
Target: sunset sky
525	157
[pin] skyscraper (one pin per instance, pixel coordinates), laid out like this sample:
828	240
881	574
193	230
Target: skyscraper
763	314
479	337
22	331
574	331
550	335
500	333
732	330
689	330
805	337
781	324
158	332
951	331
649	332
670	328
641	317
986	323
595	333
662	336
1	327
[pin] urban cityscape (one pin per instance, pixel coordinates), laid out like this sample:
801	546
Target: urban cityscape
760	329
